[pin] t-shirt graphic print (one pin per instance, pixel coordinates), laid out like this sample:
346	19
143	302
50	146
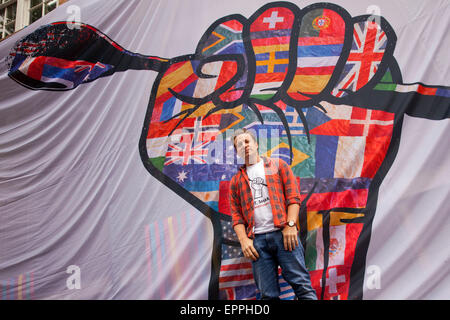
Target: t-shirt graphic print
261	200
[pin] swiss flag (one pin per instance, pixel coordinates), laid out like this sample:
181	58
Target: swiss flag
277	18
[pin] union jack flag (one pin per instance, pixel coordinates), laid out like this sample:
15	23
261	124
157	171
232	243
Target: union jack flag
187	151
191	145
369	44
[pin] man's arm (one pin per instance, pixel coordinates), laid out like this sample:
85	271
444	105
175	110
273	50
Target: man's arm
290	234
238	224
289	181
246	243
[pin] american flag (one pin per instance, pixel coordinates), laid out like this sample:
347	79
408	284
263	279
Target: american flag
235	270
236	277
286	291
369	44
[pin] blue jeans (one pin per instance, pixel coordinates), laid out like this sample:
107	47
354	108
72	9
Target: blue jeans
265	270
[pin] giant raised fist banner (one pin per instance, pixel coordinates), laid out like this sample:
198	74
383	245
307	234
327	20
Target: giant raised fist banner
320	88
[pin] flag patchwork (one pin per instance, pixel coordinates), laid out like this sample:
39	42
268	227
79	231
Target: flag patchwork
270	38
228	231
282	151
345	147
197	149
336	283
362	135
387	84
273	130
353	121
35	66
368	46
188	143
334	192
330	262
324	185
239	293
224	203
182	79
208	183
286	291
296	126
201	159
236	280
270	119
235	272
320	44
269	73
422	89
224	39
187	151
58	73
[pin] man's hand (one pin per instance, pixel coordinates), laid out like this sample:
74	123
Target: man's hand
290	237
248	249
290	234
246	243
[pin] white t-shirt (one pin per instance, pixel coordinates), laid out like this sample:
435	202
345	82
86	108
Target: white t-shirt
261	201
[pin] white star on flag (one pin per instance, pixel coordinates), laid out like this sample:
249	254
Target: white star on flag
182	175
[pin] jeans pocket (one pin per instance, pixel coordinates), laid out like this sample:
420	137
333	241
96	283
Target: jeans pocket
256	242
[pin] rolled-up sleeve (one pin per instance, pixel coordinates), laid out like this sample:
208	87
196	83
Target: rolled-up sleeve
235	205
291	191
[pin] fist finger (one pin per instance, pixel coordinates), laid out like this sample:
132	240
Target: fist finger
224	38
271	35
373	39
212	77
321	36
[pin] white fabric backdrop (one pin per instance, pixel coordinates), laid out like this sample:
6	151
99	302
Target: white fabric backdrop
73	190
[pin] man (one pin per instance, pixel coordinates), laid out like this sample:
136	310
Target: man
265	203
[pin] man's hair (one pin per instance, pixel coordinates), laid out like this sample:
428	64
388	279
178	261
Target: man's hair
238	132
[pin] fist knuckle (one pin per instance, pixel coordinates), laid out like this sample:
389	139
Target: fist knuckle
275	53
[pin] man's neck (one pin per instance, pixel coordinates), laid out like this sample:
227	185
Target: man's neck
258	159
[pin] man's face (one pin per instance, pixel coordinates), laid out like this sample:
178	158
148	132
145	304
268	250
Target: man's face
247	148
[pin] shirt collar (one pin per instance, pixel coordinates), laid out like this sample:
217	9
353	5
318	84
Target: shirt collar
266	162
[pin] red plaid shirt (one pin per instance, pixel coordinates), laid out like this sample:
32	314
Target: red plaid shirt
283	191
